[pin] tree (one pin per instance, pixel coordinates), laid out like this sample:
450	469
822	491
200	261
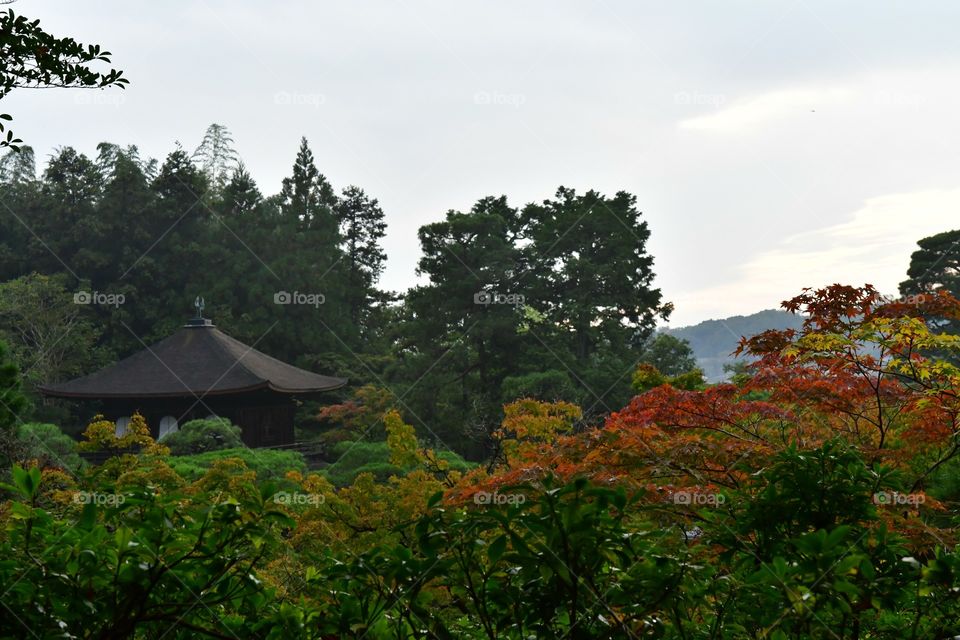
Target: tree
670	355
32	58
362	226
934	266
461	330
13	406
19	190
216	156
17	168
50	336
859	370
590	273
64	224
240	195
307	197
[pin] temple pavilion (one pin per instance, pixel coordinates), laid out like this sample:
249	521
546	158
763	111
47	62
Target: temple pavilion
201	372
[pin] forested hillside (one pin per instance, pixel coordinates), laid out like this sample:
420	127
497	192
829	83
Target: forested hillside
714	341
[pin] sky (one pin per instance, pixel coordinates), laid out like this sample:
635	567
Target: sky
771	146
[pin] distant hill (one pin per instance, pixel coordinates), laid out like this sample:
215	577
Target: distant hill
714	340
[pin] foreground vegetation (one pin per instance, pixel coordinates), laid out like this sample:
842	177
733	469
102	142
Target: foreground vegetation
813	497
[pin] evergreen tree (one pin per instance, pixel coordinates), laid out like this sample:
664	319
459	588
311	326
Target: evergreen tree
307	196
240	196
65	229
590	271
19	193
18	168
935	265
362	226
216	157
590	280
13	407
461	336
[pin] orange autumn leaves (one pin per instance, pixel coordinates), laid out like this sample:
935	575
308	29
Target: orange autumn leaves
864	368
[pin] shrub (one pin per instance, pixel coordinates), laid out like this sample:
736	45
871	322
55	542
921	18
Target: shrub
354	458
100	435
49	446
198	436
267	463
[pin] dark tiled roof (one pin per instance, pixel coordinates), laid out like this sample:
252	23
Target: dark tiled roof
194	361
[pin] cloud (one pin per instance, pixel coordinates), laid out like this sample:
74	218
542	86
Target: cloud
754	112
872	246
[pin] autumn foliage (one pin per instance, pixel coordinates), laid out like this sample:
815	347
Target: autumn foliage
873	372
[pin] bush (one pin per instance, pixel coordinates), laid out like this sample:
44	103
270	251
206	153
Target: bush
50	446
354	458
267	463
198	436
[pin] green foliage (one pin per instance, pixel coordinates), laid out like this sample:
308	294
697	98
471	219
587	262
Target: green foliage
545	565
355	458
548	386
13	404
48	445
362	227
803	492
646	377
797	551
266	463
198	436
51	336
140	564
33	58
670	355
12	401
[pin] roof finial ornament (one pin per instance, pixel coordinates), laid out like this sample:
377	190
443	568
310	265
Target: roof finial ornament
199	320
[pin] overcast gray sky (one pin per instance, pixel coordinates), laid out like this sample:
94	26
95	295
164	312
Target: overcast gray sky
771	145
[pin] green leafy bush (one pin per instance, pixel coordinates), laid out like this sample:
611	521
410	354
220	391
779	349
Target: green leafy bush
50	446
137	564
198	436
354	458
267	463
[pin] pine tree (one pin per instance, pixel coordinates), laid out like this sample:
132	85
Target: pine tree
362	226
